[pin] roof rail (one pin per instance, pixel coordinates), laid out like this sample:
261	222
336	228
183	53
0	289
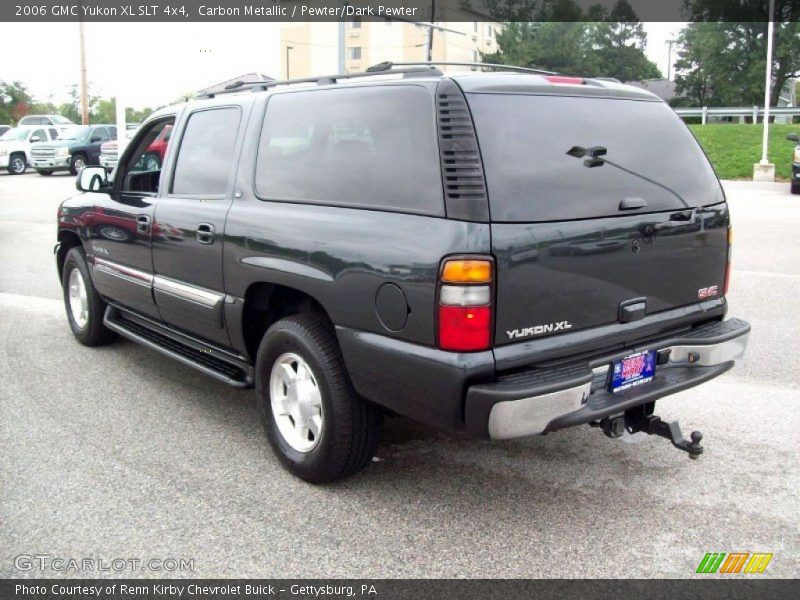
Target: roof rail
238	86
385	66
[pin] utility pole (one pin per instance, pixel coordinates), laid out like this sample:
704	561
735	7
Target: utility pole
763	170
84	83
669	59
429	52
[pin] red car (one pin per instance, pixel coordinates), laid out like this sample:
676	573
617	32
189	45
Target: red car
109	152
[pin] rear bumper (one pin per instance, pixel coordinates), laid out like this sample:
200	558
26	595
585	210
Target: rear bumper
547	399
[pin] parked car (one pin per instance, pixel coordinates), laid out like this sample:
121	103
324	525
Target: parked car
795	185
57	121
4	128
75	148
152	159
348	251
15	146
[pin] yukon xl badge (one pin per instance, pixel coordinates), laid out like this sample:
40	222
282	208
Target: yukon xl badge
539	329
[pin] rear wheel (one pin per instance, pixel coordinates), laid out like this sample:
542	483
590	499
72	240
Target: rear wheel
795	189
318	427
17	164
85	307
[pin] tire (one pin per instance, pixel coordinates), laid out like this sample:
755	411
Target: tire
795	189
17	164
347	425
45	172
152	162
77	163
87	327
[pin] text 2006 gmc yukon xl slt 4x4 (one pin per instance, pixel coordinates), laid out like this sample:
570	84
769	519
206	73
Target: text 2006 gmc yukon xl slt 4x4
502	253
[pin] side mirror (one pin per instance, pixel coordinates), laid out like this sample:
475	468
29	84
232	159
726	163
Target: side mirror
91	179
793	137
36	138
95	138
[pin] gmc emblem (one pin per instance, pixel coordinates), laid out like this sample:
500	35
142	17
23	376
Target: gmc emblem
707	292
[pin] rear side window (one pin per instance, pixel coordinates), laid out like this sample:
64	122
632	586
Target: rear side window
524	141
371	147
206	153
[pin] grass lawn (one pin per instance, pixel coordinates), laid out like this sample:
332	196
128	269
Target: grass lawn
733	148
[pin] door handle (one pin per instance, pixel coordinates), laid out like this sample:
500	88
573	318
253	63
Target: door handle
205	233
143	223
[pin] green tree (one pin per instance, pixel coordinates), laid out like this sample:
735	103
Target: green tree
722	63
15	102
595	43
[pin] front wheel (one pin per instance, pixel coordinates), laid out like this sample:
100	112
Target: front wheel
85	307
318	427
17	165
77	164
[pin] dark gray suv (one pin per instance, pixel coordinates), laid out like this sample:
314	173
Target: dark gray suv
502	253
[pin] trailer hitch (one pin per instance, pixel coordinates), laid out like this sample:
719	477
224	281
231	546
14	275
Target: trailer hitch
643	420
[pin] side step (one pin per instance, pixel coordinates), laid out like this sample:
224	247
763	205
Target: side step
219	364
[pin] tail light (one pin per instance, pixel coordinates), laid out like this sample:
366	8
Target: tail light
728	262
465	304
563	79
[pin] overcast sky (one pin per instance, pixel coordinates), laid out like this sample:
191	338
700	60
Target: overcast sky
154	64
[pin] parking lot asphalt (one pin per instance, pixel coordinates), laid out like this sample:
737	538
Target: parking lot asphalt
117	452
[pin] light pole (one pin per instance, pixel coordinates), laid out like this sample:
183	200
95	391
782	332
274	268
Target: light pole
763	170
669	59
287	60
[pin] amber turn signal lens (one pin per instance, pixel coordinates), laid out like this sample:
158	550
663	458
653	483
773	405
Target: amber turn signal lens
467	271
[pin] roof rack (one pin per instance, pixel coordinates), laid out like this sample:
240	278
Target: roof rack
385	66
256	86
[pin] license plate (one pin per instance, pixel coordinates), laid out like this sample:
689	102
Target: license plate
631	371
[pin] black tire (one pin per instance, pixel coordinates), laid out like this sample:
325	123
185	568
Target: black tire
45	172
93	332
77	163
17	164
350	425
795	189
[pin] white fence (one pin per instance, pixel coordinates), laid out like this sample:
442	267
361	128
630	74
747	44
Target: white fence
754	112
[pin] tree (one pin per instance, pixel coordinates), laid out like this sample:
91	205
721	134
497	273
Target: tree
722	63
610	45
15	102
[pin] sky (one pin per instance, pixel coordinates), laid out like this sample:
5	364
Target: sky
156	64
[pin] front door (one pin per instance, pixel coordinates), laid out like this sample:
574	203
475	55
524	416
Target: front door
190	221
119	228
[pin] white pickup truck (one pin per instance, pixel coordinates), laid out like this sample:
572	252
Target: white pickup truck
15	146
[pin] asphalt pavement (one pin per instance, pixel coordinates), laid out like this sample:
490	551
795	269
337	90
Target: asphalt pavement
119	453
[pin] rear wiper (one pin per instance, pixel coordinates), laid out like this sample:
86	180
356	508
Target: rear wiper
595	154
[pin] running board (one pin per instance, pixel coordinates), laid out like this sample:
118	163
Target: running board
208	359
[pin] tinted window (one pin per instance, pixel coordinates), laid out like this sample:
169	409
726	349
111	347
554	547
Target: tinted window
524	141
367	147
99	132
206	152
40	134
53	133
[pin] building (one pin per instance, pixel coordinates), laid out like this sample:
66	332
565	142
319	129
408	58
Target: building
309	49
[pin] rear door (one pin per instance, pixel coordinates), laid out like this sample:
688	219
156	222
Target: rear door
577	239
190	221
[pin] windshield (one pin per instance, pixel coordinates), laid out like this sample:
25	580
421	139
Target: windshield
77	132
524	139
15	135
59	120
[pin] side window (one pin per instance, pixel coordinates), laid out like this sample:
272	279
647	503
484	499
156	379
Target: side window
98	132
40	134
140	166
206	153
371	147
112	133
53	134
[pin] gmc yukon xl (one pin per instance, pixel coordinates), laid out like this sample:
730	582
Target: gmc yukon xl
504	253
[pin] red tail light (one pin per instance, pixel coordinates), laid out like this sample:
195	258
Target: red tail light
728	263
564	79
465	305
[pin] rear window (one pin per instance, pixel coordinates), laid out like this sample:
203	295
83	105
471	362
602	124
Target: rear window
524	141
362	147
